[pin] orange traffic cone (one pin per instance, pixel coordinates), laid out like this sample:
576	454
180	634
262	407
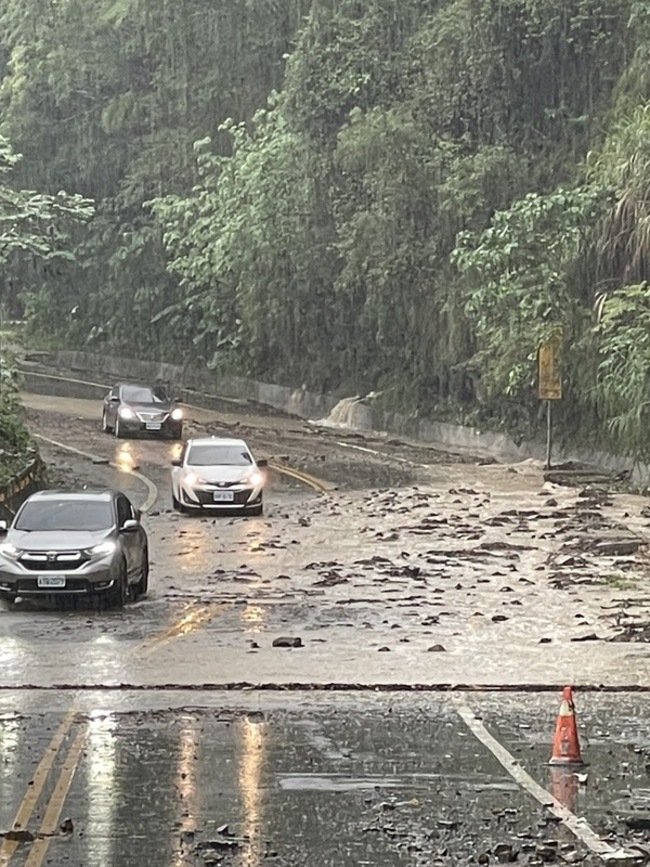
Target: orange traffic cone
566	745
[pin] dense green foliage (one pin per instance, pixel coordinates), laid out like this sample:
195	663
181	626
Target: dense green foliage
34	228
398	195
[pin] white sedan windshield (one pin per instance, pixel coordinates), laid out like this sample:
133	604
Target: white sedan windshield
218	455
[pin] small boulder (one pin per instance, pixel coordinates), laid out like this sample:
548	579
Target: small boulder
285	641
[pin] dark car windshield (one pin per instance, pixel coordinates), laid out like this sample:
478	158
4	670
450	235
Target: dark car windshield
66	515
211	455
142	394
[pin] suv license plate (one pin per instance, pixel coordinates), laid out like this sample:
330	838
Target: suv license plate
223	496
153	425
50	582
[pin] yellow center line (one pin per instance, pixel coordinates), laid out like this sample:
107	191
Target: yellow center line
38	782
191	621
52	815
312	481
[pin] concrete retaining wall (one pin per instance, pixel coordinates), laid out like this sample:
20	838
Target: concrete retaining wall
199	385
110	369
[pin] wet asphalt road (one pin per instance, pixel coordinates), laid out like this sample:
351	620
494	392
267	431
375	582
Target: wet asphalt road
413	569
334	780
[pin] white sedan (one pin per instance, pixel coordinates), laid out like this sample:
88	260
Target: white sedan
215	473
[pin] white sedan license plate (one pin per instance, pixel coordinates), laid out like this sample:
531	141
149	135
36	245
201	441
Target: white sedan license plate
223	496
50	582
153	425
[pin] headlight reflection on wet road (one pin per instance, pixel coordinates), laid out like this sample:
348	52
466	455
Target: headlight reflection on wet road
101	791
253	618
188	745
124	459
14	654
9	742
175	451
253	743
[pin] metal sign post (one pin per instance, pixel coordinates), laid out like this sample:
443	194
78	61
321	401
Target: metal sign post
549	384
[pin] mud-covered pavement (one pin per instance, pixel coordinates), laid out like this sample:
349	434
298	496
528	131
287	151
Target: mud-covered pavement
403	568
450	573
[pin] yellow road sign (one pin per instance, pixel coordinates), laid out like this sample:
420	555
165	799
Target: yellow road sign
549	381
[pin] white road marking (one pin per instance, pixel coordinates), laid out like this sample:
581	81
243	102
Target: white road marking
66	379
577	825
382	455
152	495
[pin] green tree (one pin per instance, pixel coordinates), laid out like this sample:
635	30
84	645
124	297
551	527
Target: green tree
623	387
520	290
33	227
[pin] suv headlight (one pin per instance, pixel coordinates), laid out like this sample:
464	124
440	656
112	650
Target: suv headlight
103	549
125	412
177	414
10	551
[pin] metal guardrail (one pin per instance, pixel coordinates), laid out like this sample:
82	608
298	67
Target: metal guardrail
17	489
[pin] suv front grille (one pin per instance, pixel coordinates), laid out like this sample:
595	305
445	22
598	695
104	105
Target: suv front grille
53	561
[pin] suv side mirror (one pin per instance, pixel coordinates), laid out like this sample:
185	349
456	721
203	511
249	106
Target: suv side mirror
114	398
129	526
262	462
177	462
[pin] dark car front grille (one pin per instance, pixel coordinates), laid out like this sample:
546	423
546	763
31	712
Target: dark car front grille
53	561
206	498
152	416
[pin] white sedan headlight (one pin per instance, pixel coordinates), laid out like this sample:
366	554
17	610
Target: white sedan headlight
177	414
192	479
255	479
126	412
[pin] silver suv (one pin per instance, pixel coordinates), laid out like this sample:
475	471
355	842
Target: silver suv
64	543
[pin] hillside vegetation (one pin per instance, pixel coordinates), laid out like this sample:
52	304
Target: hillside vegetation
407	196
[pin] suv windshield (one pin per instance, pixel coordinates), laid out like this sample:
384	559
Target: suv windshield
218	455
66	515
142	394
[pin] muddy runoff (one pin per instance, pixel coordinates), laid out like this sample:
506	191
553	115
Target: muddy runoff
460	572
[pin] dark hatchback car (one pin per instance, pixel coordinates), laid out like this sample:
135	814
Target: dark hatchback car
132	409
75	543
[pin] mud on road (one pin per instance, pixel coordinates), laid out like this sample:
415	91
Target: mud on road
414	569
